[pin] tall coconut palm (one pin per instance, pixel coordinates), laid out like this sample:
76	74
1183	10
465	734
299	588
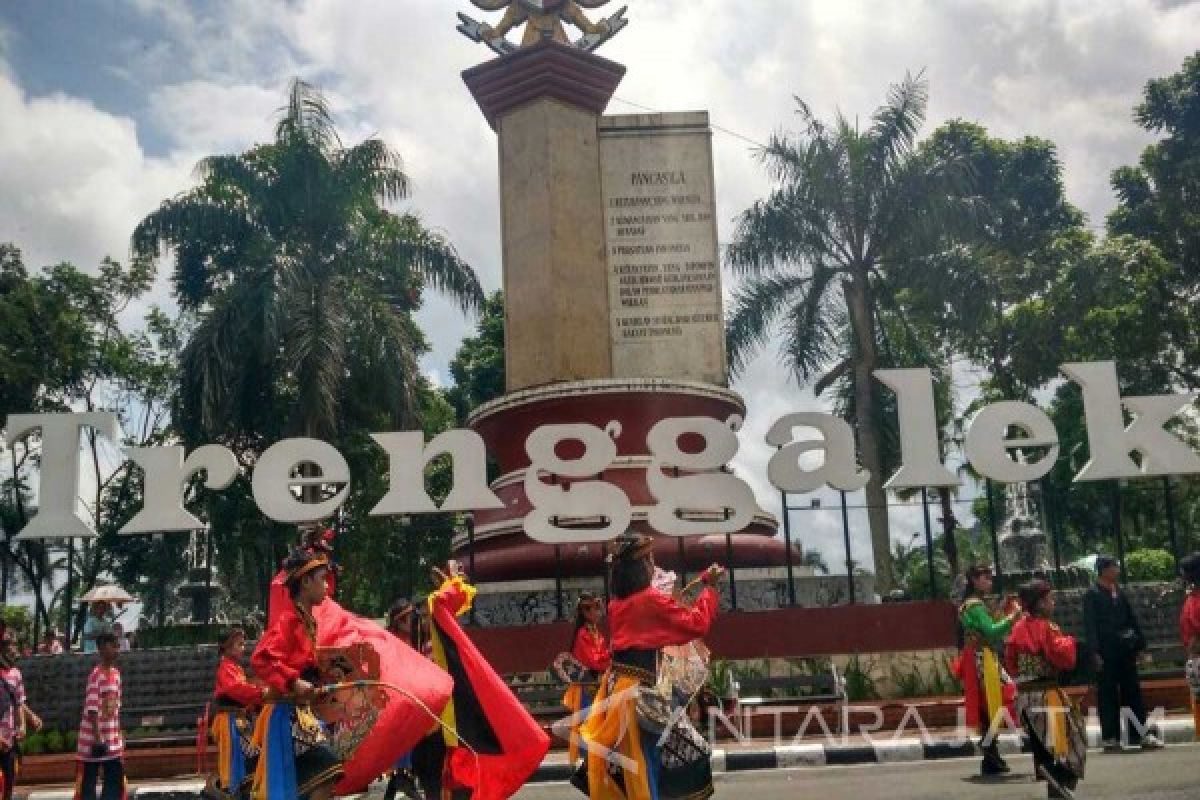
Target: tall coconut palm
853	213
301	283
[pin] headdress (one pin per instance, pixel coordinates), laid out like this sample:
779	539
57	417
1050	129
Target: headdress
300	562
630	547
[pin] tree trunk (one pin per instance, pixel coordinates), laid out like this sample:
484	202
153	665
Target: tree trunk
949	523
867	425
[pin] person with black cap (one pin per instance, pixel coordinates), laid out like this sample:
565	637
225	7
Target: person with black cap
1116	641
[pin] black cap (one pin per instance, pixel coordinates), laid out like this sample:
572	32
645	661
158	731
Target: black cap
1104	562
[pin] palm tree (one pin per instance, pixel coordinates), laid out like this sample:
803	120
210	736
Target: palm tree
301	284
853	214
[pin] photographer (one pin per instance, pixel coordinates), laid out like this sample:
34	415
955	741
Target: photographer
1116	642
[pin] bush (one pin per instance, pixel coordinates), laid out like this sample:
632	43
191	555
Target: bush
72	741
55	742
1150	564
35	744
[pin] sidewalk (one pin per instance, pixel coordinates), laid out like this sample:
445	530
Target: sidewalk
739	756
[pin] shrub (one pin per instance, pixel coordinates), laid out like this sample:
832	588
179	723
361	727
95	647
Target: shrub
55	742
1150	564
35	744
72	741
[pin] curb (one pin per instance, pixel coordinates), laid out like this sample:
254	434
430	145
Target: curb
852	751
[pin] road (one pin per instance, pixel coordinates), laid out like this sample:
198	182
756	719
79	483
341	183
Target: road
1170	774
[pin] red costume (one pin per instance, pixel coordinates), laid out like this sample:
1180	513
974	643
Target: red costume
591	649
285	651
1036	642
1189	621
233	686
402	723
649	619
509	742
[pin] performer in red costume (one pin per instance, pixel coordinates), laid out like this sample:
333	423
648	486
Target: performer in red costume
1189	631
235	700
492	743
590	658
296	760
408	716
635	750
1038	654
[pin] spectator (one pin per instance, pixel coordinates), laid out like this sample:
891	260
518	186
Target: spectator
51	645
122	637
1116	641
101	744
15	716
99	621
1189	629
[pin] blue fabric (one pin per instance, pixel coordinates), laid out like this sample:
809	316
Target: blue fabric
653	762
405	761
280	754
237	760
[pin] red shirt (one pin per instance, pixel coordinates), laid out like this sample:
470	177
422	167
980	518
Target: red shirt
591	649
1039	637
650	619
233	686
284	652
1189	620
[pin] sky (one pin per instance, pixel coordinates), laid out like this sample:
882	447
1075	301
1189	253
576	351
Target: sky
107	105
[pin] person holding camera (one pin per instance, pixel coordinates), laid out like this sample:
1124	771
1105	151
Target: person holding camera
101	743
1116	641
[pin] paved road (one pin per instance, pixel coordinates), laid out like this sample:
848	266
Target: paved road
1171	774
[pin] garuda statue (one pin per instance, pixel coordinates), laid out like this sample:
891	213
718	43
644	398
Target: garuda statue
543	20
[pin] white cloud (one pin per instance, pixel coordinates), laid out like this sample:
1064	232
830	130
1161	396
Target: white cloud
76	181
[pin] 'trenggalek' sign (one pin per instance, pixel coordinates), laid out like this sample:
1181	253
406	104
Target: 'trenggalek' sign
692	493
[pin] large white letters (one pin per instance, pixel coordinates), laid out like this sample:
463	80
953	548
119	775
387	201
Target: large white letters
273	479
723	500
1110	442
921	462
840	469
167	474
58	490
987	444
408	458
583	499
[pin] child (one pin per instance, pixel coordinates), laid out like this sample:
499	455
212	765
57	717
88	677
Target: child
234	700
14	717
101	743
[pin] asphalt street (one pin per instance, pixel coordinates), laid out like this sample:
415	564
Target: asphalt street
1170	774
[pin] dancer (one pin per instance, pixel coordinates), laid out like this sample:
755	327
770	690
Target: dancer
15	715
235	700
1038	653
101	743
592	658
492	744
1189	628
637	747
987	688
295	758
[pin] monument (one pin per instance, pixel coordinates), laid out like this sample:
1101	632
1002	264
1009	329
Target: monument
612	292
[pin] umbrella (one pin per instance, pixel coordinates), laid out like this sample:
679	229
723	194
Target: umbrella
107	594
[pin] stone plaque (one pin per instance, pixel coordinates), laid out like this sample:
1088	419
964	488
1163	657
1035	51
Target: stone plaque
664	276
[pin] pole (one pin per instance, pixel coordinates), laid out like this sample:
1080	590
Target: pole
162	581
558	581
681	551
849	559
471	557
1116	521
933	593
69	600
991	511
1052	521
1169	503
787	540
732	578
208	574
